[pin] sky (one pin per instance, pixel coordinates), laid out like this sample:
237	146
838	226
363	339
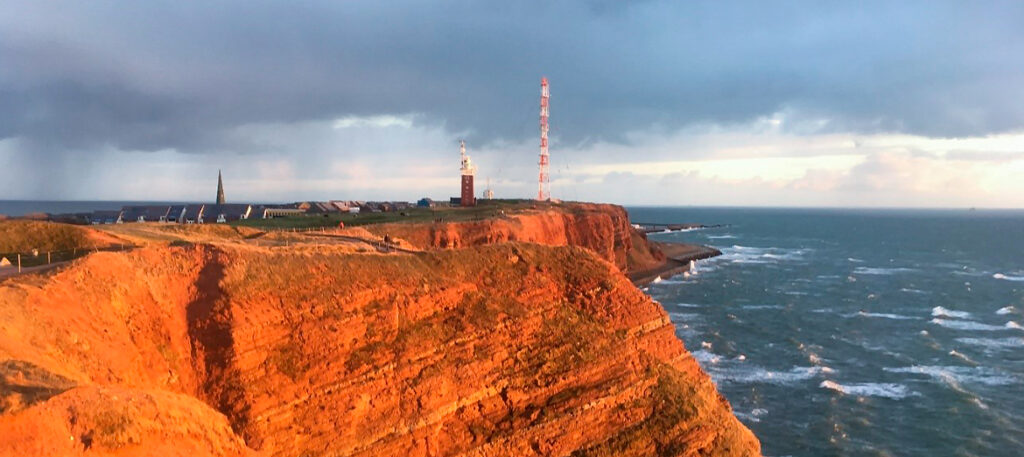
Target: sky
745	103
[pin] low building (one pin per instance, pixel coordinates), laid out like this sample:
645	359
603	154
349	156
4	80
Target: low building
176	213
347	206
220	214
317	207
145	213
426	203
270	213
106	217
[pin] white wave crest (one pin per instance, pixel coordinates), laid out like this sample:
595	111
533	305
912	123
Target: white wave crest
1007	277
756	255
1006	310
972	325
881	271
880	315
869	389
943	312
913	291
753	416
960	375
994	343
706	357
741	374
688	305
961	356
758	307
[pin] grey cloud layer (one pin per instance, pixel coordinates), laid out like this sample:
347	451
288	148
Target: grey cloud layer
155	75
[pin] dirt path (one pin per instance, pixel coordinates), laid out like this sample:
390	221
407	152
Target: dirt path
379	246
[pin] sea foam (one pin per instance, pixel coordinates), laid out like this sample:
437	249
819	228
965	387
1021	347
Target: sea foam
881	271
972	325
1007	277
913	291
880	315
960	375
688	305
994	343
939	311
739	373
756	255
869	389
753	416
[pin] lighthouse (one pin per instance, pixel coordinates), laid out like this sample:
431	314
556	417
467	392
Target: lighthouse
467	177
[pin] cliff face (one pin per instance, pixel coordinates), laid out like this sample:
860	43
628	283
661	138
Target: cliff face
509	349
602	228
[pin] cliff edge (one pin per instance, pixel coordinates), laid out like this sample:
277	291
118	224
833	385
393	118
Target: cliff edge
602	228
229	349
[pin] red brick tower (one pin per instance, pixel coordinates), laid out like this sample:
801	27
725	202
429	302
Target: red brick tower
467	177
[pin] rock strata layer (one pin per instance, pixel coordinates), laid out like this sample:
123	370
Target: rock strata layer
602	228
506	349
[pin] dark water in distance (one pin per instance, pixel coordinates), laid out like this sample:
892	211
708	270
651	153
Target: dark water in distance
23	207
859	332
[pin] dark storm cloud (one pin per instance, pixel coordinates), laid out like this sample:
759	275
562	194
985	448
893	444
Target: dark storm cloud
153	75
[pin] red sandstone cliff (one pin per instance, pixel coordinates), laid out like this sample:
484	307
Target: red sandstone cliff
602	228
511	349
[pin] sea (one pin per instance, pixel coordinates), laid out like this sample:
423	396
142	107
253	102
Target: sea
17	208
843	332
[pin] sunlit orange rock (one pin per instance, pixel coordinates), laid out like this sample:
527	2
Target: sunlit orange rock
495	349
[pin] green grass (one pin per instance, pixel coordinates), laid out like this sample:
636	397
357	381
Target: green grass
484	210
23	236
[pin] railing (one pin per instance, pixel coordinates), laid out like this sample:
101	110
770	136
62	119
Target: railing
20	260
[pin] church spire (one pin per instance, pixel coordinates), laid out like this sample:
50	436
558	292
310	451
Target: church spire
220	189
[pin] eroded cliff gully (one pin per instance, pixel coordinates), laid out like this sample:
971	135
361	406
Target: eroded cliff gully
507	349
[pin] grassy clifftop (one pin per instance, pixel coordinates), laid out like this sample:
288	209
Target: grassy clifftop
23	236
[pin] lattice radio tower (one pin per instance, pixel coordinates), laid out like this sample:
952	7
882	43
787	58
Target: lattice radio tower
543	180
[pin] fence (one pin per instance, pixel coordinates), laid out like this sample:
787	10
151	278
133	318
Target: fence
38	257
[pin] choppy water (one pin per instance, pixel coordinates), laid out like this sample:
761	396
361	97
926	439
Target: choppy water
859	333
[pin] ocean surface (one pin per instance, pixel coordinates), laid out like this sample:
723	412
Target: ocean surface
23	207
859	332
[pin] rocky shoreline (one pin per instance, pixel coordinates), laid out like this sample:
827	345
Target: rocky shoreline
677	261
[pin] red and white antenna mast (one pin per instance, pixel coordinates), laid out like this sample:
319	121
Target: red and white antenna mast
543	180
